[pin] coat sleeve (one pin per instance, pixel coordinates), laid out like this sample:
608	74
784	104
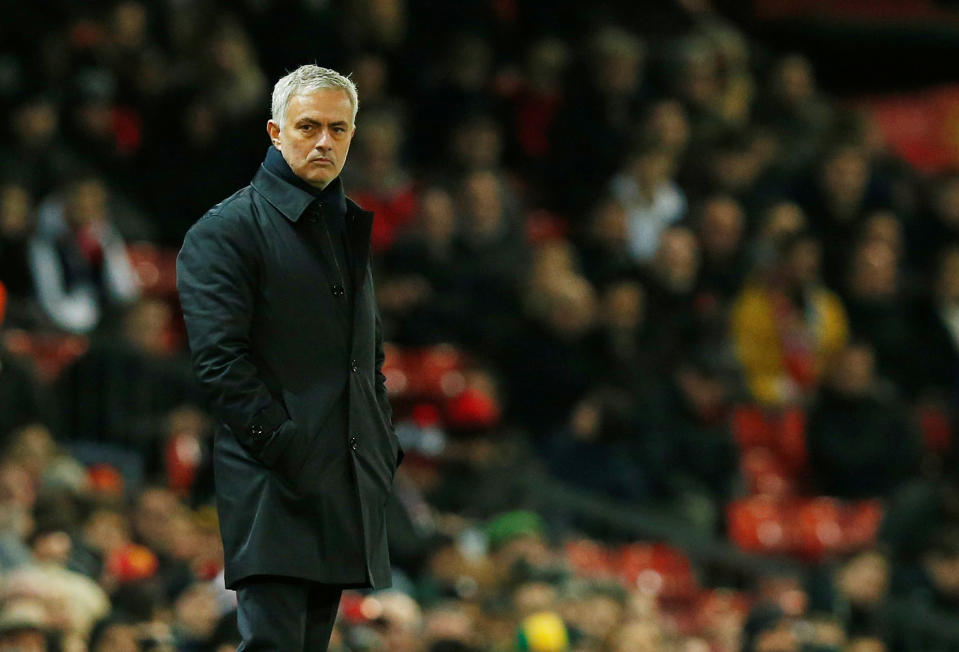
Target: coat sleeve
381	396
216	280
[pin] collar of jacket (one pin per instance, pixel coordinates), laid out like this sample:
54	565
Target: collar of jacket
292	202
287	198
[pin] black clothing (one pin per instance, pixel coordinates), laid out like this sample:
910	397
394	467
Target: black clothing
860	446
288	347
276	613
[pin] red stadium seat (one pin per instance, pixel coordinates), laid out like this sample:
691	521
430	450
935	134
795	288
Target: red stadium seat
792	439
819	528
765	474
760	524
434	373
657	569
50	353
750	427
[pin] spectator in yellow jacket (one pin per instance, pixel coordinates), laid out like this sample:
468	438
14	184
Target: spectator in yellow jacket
786	326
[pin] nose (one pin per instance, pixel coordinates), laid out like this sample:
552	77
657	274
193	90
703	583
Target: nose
324	141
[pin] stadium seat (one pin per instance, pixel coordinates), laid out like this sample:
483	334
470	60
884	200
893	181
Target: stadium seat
658	569
50	353
764	473
760	524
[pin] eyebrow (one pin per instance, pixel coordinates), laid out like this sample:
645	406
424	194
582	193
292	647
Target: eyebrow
336	123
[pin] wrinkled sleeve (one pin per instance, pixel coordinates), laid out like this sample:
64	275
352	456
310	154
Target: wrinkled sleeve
217	271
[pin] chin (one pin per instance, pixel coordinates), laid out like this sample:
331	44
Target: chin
315	180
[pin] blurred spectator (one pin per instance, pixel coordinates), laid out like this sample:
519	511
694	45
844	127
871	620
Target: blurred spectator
861	443
556	366
420	297
378	182
590	135
490	255
671	283
37	154
843	192
937	321
686	444
666	127
106	136
604	246
779	220
539	100
16	227
938	583
786	326
621	343
880	313
78	258
795	109
592	452
231	74
855	589
18	394
24	627
461	89
721	227
651	199
938	228
121	389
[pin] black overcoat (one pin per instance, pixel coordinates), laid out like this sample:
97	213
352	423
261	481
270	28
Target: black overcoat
287	345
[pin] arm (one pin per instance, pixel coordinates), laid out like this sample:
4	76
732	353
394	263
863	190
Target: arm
216	281
77	310
121	278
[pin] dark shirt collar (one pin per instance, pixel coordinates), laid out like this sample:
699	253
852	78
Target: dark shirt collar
289	194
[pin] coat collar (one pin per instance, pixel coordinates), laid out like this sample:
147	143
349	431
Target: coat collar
292	200
284	197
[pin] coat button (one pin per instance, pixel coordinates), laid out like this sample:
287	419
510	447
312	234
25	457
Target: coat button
337	290
354	367
354	444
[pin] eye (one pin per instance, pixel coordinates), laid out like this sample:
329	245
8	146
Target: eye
339	130
306	127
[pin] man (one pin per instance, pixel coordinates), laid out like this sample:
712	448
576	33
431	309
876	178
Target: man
278	300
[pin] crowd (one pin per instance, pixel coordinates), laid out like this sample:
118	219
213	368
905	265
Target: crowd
598	236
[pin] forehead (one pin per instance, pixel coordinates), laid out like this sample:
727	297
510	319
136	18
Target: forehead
325	105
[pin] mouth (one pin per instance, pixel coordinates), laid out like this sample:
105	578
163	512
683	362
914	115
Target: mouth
322	161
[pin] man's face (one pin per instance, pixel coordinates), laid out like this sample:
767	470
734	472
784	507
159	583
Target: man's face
316	135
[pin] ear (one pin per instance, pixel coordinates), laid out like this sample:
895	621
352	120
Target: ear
273	130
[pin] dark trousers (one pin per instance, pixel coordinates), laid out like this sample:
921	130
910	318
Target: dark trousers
284	614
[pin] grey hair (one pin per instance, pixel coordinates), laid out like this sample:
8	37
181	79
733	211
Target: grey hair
307	79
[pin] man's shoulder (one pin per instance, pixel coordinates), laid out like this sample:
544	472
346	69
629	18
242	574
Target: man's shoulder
236	207
229	220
